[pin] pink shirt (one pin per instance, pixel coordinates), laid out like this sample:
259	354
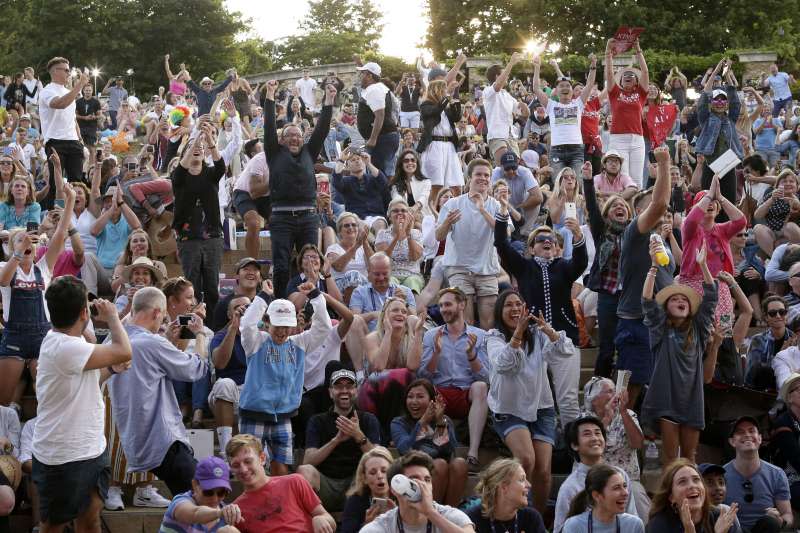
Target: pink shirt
177	87
257	166
603	186
717	240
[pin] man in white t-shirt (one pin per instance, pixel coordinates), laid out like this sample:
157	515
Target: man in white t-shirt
306	87
499	106
781	93
566	142
70	459
376	119
251	198
59	125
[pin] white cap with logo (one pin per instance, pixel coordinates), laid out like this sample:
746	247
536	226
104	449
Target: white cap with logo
282	313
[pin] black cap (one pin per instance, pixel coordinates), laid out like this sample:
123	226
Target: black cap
745	418
710	468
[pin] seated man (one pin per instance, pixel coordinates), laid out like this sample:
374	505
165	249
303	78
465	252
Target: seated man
454	358
413	516
367	300
716	489
273	504
248	281
760	488
586	438
765	346
335	441
230	362
364	190
112	228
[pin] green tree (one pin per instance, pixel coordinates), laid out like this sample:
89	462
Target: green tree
333	31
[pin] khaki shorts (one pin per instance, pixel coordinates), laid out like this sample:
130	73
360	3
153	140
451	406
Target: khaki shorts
496	144
472	284
332	492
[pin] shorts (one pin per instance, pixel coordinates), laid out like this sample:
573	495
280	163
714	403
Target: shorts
275	437
473	284
65	490
89	137
496	144
542	429
333	491
227	390
588	300
243	202
456	401
415	282
633	350
22	345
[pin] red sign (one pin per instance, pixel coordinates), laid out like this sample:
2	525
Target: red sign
625	37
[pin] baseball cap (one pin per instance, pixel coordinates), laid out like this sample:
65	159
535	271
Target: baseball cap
436	73
563	78
111	191
25	116
342	373
374	68
213	473
282	313
243	262
710	468
745	418
717	93
509	161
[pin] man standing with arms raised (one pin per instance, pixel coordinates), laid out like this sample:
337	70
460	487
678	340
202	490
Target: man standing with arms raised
59	128
293	183
70	459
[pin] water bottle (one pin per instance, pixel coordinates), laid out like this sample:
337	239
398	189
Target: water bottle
651	461
661	254
406	487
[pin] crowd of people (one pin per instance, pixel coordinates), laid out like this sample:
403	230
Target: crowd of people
439	255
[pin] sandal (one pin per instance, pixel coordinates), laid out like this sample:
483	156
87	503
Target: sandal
473	465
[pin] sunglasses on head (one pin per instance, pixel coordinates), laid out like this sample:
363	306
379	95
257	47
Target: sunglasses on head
219	493
776	312
747	486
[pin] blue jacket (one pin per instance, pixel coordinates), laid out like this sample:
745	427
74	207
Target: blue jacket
712	124
273	385
365	197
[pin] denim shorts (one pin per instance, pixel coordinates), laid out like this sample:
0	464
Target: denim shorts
65	490
633	349
543	429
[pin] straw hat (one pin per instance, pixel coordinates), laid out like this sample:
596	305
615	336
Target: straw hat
143	262
787	385
677	288
11	469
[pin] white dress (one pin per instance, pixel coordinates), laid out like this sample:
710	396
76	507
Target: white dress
440	161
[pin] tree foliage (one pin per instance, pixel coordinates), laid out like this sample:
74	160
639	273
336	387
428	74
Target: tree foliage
690	27
118	35
334	31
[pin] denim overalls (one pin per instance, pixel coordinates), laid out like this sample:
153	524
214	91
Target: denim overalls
27	322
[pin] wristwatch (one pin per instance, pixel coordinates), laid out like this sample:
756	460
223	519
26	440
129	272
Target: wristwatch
363	441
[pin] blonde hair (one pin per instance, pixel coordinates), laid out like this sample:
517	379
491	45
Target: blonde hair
436	91
559	192
785	174
241	441
359	484
342	216
406	340
396	201
495	475
537	231
610	200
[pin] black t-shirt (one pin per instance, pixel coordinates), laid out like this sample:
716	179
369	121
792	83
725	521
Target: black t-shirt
84	107
528	520
343	460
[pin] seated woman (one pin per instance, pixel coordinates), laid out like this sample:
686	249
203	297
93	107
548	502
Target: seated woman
202	508
426	428
779	213
394	353
348	257
409	183
315	268
181	302
749	270
681	504
504	489
623	434
138	245
403	243
142	272
520	398
601	505
20	207
786	437
369	496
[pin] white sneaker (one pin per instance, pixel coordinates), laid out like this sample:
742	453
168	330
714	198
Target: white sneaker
114	499
149	497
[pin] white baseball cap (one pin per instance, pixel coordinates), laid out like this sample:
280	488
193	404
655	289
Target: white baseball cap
374	68
282	313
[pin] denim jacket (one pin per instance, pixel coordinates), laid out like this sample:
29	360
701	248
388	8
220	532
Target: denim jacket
712	124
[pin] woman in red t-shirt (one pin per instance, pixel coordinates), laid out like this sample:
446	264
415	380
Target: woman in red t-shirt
627	98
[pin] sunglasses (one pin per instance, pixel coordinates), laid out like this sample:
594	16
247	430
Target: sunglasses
748	491
350	225
777	312
219	493
545	238
720	99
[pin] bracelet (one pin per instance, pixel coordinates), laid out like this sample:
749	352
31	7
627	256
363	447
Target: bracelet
473	359
72	232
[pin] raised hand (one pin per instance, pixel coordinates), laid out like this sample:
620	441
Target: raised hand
701	255
661	154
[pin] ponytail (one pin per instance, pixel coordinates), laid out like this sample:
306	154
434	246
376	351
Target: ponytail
579	504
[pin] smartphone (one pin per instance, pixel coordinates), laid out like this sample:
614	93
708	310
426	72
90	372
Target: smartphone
381	503
59	202
324	186
93	310
184	320
149	149
32	226
570	210
186	333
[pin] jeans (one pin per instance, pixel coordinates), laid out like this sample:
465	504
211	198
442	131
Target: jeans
289	231
113	115
607	330
71	155
566	155
384	154
197	390
177	468
201	260
631	148
777	105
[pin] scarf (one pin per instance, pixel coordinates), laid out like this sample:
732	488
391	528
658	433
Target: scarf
613	237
